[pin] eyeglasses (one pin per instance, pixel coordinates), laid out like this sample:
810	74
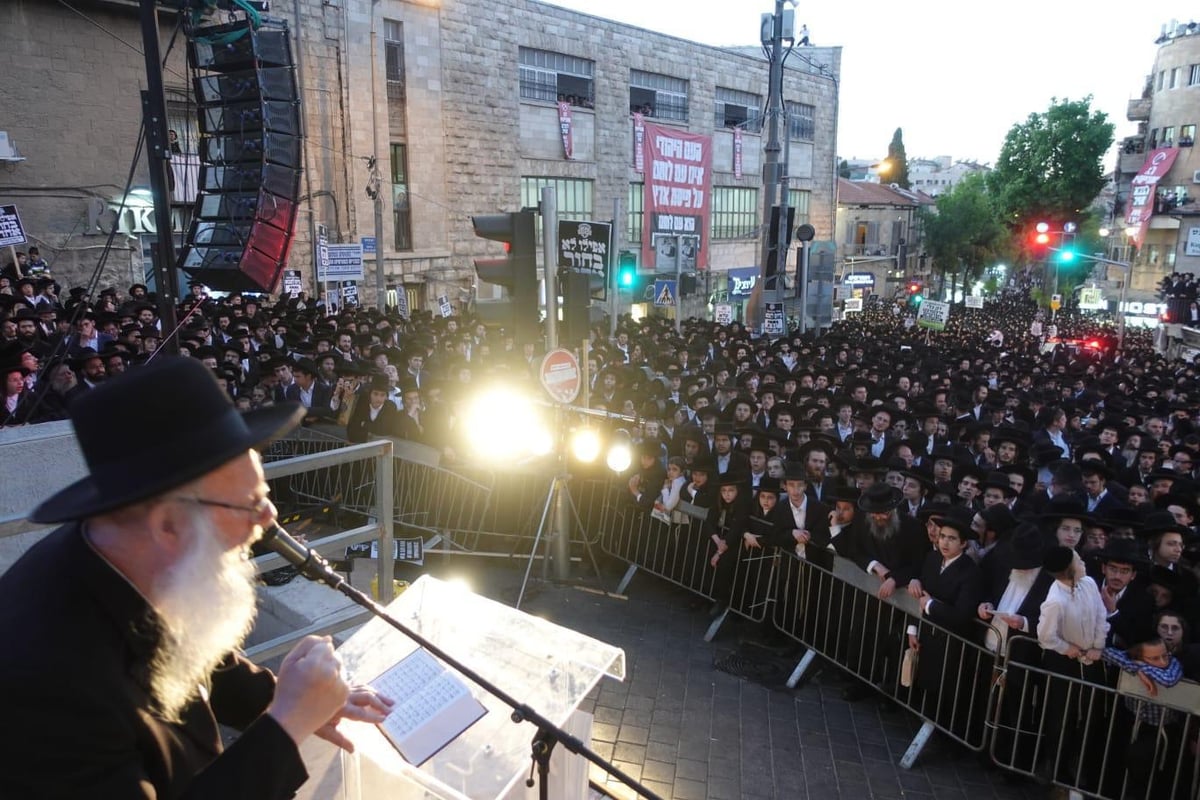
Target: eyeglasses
256	510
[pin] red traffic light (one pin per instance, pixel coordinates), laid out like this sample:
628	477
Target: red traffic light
913	288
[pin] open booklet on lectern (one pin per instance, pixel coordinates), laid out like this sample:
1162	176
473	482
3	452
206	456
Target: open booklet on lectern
433	706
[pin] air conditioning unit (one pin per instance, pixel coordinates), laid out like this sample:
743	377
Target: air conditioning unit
8	151
1196	176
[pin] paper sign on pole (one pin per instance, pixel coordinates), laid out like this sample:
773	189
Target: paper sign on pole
934	314
723	313
974	301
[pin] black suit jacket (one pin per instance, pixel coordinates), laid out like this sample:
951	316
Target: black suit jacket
76	664
956	591
361	426
816	522
902	554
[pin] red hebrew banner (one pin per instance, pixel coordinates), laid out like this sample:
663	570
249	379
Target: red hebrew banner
676	200
1142	190
564	124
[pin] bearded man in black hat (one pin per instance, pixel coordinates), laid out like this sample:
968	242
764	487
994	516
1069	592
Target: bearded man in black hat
120	675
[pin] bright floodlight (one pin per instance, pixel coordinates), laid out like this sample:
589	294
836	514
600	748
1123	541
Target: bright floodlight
620	452
585	445
510	427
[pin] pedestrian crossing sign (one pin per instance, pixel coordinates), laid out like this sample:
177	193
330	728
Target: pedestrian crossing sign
664	293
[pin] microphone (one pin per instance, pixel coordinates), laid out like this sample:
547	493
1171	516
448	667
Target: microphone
309	562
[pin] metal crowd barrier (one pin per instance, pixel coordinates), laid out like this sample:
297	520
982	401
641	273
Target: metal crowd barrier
680	552
1109	740
831	606
378	526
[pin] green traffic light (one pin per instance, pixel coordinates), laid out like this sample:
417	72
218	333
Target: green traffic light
1066	256
626	277
916	298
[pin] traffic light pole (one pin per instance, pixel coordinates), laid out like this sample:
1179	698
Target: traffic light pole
550	263
772	169
614	287
1125	267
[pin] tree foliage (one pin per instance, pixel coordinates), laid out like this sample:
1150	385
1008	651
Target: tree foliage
1050	166
965	234
898	174
844	169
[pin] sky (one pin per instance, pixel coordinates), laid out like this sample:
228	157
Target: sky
954	76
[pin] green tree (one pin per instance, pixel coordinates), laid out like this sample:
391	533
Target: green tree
964	234
898	174
844	169
1050	166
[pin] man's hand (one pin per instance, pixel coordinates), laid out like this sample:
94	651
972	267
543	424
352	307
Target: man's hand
915	589
1072	652
1151	686
751	541
887	588
310	689
985	610
363	705
801	536
1109	597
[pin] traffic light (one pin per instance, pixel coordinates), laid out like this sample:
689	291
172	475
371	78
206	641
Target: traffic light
516	272
1039	241
915	297
1067	254
627	270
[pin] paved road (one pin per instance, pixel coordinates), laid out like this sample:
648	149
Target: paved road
691	731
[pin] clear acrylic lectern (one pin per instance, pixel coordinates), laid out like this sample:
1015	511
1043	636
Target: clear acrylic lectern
546	666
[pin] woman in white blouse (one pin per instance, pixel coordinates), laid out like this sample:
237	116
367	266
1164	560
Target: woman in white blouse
1071	631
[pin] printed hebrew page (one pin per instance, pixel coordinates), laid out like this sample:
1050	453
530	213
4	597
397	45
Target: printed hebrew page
433	706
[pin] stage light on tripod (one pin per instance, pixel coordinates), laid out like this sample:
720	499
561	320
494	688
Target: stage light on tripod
620	451
514	429
585	445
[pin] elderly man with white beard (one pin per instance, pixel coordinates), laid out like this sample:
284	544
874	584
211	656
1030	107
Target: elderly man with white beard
121	627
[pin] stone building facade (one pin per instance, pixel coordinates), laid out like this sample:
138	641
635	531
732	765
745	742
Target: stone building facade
881	239
1167	114
454	109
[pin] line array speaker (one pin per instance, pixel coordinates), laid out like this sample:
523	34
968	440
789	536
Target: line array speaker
251	154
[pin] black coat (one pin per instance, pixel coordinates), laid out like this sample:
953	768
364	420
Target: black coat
76	665
902	554
361	426
816	522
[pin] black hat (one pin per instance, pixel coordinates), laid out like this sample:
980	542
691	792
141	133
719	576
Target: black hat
190	428
843	494
769	484
1057	559
705	464
959	518
998	480
1124	551
1027	546
1094	466
794	471
879	498
733	478
1066	507
999	518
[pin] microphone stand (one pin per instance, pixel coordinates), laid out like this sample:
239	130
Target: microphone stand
314	567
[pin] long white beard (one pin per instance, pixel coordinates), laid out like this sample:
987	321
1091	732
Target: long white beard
207	604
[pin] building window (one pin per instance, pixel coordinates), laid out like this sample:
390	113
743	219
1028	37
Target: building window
1176	77
1168	138
1194	77
658	96
636	217
401	207
393	56
801	121
734	213
550	77
736	109
574	198
799	200
1162	77
1187	135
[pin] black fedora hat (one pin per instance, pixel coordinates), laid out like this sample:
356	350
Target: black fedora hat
1125	551
879	498
190	428
1027	546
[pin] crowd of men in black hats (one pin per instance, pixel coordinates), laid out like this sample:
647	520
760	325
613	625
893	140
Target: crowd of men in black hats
889	432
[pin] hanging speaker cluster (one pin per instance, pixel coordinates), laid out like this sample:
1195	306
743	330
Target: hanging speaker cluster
250	156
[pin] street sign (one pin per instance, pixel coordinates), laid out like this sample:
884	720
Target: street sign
774	320
1092	299
723	313
934	314
345	263
1055	302
585	247
560	375
974	301
322	250
11	232
444	305
664	293
368	244
292	283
